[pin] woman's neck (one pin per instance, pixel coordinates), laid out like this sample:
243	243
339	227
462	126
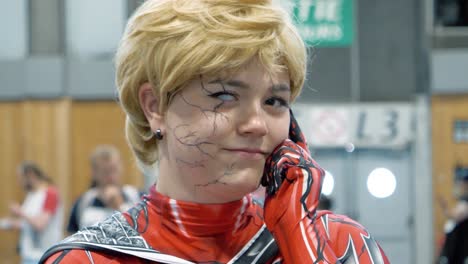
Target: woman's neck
195	219
195	185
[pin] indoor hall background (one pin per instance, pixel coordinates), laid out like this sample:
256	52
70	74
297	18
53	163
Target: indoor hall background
57	54
355	143
390	219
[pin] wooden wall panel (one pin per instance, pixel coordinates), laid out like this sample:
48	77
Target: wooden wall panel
95	123
446	153
10	156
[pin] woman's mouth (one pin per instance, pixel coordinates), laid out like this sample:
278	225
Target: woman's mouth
248	153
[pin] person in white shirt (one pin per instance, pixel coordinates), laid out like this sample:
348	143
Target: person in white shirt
39	217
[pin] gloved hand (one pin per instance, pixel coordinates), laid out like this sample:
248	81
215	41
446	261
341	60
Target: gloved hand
290	164
293	182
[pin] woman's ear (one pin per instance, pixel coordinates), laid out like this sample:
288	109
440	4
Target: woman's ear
149	103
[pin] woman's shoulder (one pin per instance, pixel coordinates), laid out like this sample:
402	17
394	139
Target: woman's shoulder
113	240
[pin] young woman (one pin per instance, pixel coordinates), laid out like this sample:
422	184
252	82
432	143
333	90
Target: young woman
207	87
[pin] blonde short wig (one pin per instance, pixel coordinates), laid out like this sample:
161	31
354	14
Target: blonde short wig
167	43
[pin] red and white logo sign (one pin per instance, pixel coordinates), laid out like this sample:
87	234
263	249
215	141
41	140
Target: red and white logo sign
329	127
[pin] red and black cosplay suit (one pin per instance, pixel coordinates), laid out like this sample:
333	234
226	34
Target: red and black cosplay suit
287	229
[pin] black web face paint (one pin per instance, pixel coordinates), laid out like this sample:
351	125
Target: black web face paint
228	172
197	137
186	135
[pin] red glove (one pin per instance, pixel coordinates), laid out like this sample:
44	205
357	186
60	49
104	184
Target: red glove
289	164
293	181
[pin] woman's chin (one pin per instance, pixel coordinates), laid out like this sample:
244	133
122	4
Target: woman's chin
237	186
232	188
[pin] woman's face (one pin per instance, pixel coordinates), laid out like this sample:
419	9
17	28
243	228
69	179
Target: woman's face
219	132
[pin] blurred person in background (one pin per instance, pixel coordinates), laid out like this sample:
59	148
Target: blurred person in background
455	247
206	86
39	218
106	194
460	192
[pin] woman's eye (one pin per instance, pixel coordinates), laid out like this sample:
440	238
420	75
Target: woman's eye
277	102
224	96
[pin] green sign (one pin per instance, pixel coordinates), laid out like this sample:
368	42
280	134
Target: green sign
322	22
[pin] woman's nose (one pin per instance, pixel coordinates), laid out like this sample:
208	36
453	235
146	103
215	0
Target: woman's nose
253	122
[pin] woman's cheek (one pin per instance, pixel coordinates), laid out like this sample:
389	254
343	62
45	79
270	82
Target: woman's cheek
280	130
